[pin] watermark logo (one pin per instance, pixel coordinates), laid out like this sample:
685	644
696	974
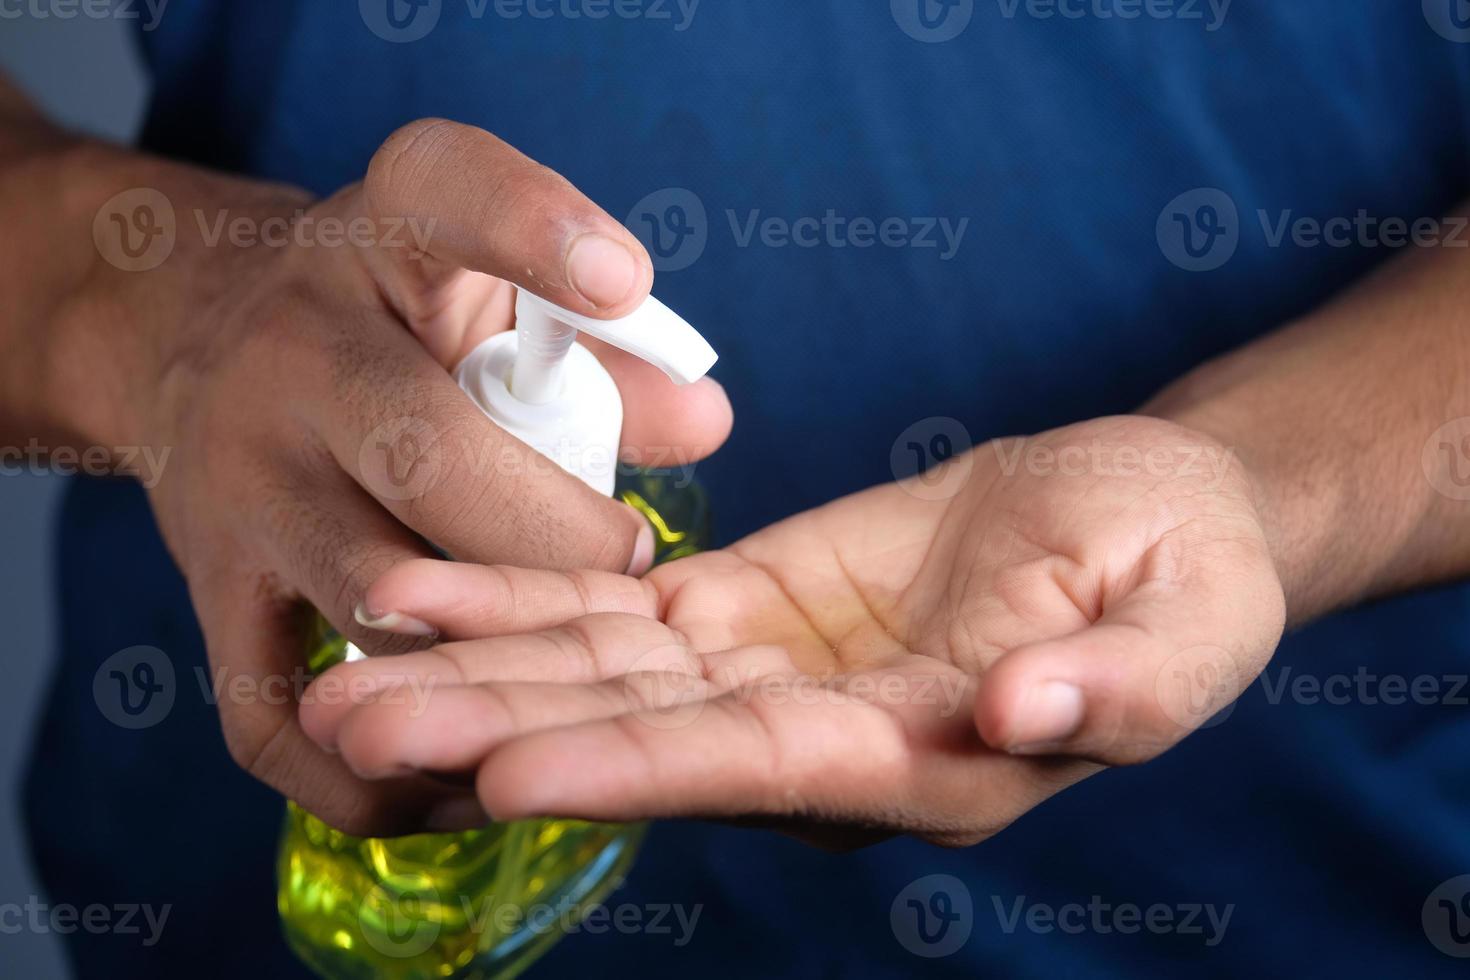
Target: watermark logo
673	225
1211	13
933	21
931	459
1098	458
1446	917
134	688
400	923
661	692
1446	459
1100	917
1199	230
123	919
149	13
400	21
837	231
136	230
305	230
933	916
1365	687
143	463
400	459
1449	18
1196	688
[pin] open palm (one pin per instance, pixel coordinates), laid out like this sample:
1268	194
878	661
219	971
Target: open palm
934	656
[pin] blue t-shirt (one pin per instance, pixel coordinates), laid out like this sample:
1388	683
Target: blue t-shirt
1013	215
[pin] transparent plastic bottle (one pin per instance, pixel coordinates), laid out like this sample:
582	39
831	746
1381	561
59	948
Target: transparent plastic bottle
479	905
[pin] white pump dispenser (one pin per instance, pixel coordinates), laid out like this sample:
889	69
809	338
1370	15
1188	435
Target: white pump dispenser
550	392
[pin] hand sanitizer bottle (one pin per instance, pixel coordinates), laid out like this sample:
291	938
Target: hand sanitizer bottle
484	904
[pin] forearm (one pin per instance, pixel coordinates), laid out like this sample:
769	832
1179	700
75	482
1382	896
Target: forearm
1332	416
83	337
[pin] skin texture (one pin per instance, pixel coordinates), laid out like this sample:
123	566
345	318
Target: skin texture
927	612
314	435
1087	609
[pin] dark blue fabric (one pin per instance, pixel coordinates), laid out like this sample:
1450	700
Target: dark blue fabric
1061	140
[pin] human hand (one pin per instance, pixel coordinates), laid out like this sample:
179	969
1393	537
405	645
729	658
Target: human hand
317	438
932	657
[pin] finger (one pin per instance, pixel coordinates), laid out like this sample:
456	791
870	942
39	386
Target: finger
486	207
331	542
395	737
255	641
763	751
418	445
589	650
450	729
459	600
1163	663
665	426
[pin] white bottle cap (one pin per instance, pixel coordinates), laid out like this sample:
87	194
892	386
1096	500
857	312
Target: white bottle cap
551	393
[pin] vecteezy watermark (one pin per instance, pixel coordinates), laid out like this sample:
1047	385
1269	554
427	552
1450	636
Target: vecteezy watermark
931	459
406	458
933	916
1197	687
674	225
136	230
300	686
1449	18
1363	230
663	693
1365	687
62	918
148	12
673	920
143	463
837	231
1446	917
405	922
1209	13
1098	458
933	21
404	21
134	688
1200	230
304	230
1102	918
1446	459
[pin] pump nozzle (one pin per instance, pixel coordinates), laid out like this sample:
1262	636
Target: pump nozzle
549	392
652	332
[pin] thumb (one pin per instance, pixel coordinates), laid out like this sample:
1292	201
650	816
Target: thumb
480	204
1130	686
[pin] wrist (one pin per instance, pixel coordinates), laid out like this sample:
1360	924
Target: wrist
1300	494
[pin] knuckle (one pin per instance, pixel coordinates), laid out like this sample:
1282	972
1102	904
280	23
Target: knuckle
404	156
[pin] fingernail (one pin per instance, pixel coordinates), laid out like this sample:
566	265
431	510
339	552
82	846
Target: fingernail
1051	714
393	622
456	815
642	550
601	269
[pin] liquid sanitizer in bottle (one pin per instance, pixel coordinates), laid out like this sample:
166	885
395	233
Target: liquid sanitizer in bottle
485	903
